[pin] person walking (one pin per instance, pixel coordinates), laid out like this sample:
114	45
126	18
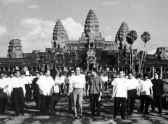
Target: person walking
77	85
45	84
119	93
133	90
158	91
55	94
95	91
18	93
146	92
3	94
35	88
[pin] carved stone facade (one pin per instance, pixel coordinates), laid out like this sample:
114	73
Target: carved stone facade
15	49
60	36
162	53
121	36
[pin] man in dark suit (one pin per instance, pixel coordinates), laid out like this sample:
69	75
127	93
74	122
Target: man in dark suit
35	88
158	92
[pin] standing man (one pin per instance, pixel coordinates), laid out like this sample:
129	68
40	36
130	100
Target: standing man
70	95
77	83
145	93
28	83
18	93
158	92
45	84
95	91
87	82
3	94
55	94
132	91
35	88
119	93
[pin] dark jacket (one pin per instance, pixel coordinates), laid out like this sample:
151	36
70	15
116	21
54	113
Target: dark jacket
158	87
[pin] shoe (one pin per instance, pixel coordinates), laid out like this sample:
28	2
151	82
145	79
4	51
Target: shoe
75	117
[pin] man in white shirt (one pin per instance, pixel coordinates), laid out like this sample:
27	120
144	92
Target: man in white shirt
18	92
70	95
132	91
146	92
62	85
3	94
77	83
119	93
45	84
55	93
28	82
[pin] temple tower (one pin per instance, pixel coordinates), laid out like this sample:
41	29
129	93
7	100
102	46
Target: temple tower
15	49
91	34
121	36
60	36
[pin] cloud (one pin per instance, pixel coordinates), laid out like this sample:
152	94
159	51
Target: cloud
11	1
3	30
35	34
110	3
134	7
152	51
108	28
74	29
108	38
34	7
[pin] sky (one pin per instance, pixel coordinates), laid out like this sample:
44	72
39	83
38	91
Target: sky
32	21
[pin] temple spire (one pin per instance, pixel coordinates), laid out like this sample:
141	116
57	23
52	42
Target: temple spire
59	35
121	35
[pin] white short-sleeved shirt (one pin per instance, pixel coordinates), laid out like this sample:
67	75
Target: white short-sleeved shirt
3	83
45	85
78	81
145	87
133	83
17	82
120	87
56	87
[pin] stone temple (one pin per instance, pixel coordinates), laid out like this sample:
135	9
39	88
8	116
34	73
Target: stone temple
91	50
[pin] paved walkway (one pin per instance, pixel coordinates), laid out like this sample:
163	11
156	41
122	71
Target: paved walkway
65	117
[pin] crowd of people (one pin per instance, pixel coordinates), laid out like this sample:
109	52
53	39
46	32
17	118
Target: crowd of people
46	89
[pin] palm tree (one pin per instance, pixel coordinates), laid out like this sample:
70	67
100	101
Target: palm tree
145	37
131	38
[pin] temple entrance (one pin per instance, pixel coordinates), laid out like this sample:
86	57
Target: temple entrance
91	66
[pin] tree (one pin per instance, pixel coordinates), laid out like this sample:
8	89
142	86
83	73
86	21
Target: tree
145	38
131	38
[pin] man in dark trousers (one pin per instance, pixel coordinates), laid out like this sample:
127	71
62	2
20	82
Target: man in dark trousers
35	88
119	93
158	92
3	94
18	94
45	84
95	91
132	91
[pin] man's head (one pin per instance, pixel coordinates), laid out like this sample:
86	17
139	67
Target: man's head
77	70
145	76
72	72
121	74
130	75
2	75
11	75
48	73
94	71
156	76
41	73
88	74
17	73
37	74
